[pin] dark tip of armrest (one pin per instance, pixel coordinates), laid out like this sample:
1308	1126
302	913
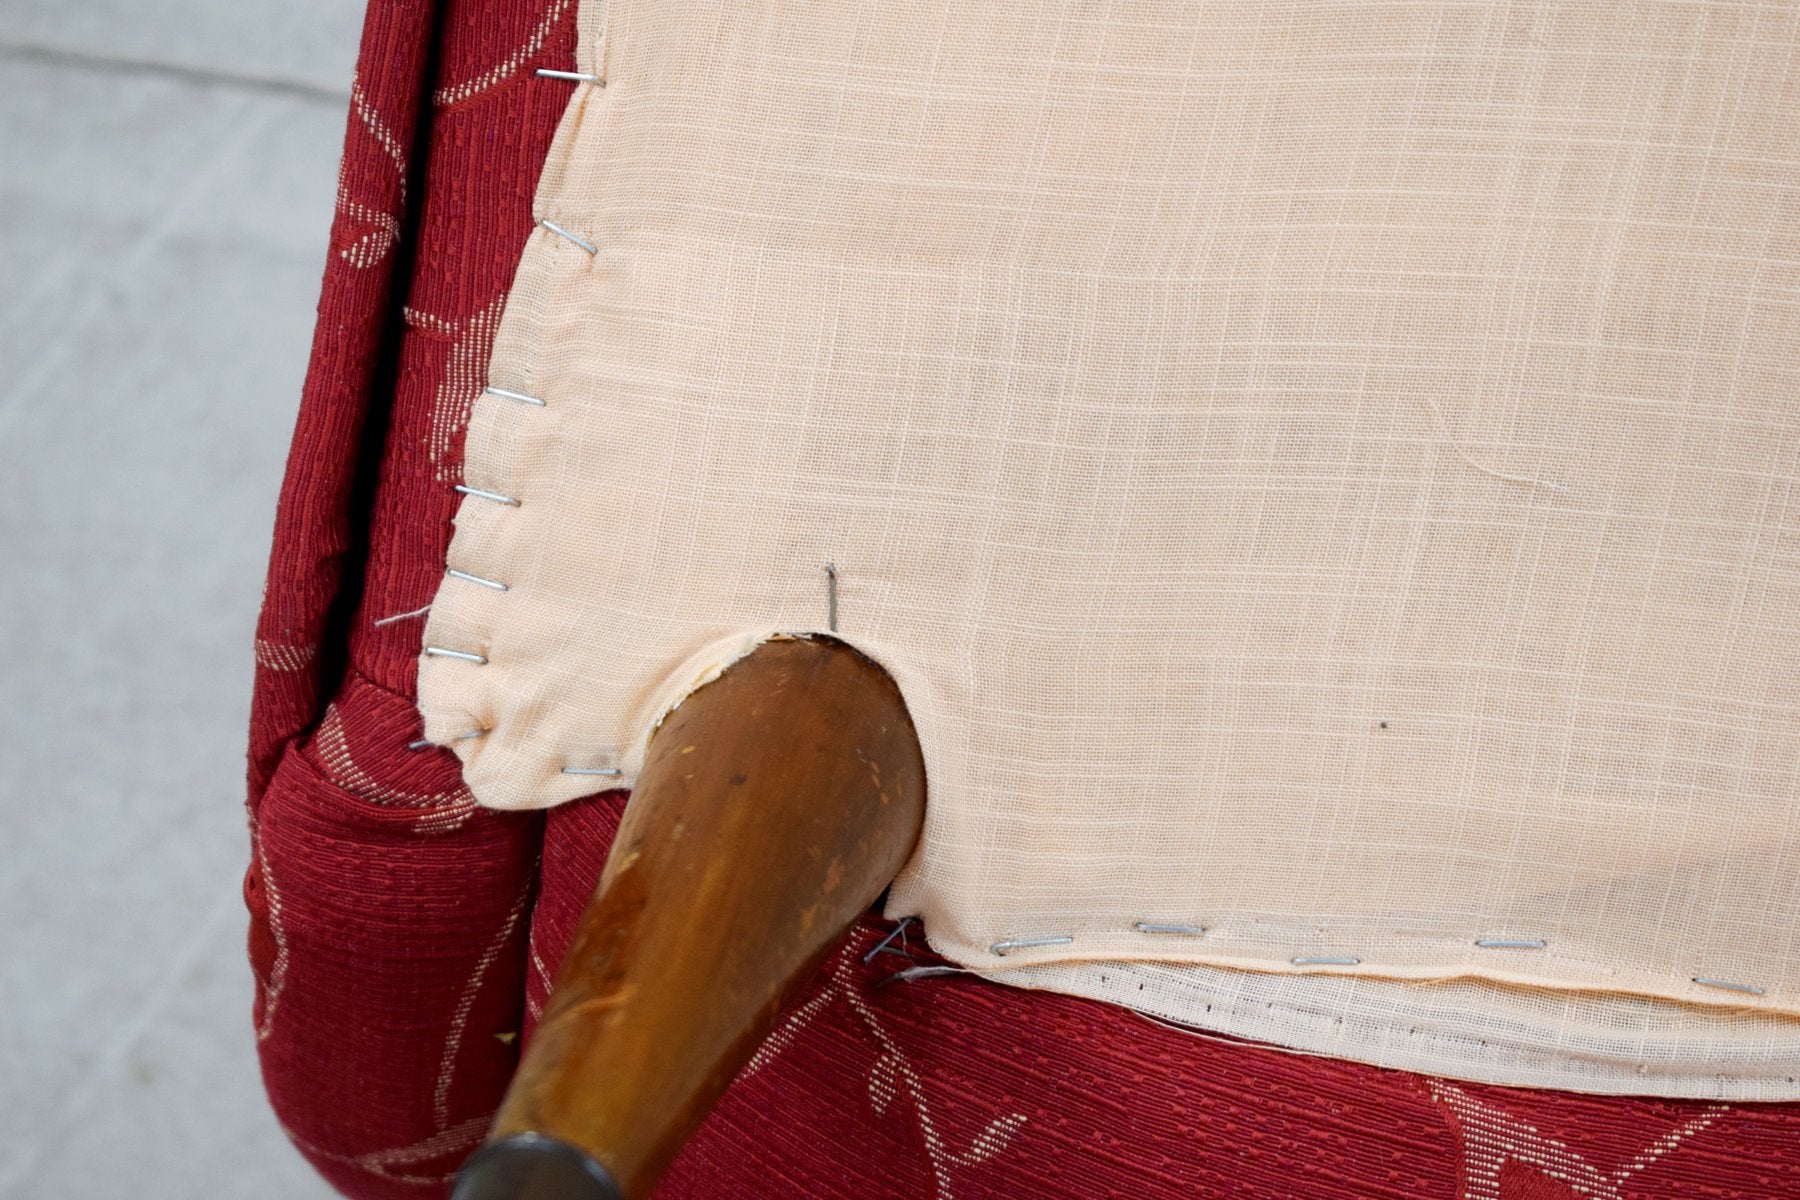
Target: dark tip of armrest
532	1166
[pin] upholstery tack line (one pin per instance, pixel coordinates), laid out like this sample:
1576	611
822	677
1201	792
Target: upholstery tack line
464	655
426	743
468	578
1003	948
898	931
553	227
571	76
505	394
496	497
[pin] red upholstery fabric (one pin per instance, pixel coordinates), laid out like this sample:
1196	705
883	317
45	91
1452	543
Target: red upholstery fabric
403	939
388	915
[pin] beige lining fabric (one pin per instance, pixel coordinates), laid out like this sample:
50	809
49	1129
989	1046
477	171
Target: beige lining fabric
1322	473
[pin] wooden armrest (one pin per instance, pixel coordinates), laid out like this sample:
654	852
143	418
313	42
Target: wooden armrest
775	805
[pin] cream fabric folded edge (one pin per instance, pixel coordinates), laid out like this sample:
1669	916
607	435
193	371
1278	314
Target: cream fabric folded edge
1595	1028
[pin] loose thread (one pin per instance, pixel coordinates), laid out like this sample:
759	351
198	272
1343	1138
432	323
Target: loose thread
1437	416
913	974
1225	1039
405	616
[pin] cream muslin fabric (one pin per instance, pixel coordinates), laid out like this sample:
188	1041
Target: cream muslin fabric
1323	474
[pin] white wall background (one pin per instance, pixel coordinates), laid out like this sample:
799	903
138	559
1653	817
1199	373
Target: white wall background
167	170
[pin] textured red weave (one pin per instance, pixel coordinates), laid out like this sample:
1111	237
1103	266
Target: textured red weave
955	1087
402	939
388	915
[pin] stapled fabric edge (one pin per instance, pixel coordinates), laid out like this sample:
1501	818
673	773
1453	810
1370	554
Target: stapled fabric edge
1076	965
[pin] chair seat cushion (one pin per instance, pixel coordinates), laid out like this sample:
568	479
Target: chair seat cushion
402	936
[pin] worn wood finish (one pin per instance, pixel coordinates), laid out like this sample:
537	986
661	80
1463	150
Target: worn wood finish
775	805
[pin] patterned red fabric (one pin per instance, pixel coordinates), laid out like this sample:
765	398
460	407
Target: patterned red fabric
388	914
404	939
